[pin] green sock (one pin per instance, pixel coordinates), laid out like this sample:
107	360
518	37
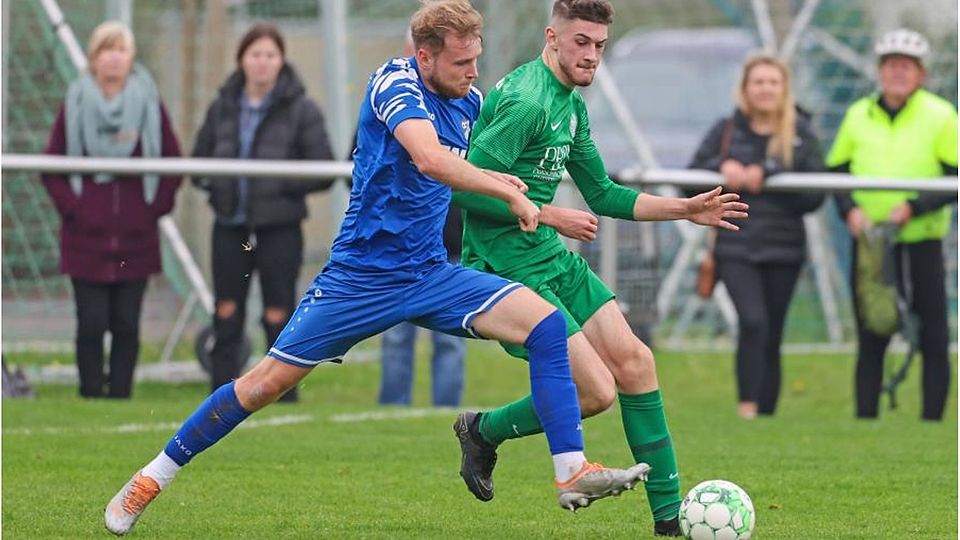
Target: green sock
512	421
646	428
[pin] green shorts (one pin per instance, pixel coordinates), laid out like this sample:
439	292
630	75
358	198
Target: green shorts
567	282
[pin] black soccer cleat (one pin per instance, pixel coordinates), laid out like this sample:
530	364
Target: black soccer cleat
667	527
479	457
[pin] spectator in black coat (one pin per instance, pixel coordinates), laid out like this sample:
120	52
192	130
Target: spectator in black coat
262	112
760	264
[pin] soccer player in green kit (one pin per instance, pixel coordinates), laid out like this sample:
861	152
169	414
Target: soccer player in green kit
533	124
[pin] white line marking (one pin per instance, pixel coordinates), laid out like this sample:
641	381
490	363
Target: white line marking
282	420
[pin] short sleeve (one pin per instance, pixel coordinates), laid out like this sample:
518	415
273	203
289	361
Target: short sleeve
395	94
514	124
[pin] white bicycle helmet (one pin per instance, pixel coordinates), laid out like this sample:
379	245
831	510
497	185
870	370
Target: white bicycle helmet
905	42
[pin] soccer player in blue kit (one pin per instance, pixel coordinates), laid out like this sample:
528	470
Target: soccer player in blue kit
388	265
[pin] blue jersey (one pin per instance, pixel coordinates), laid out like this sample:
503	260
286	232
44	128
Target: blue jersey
396	214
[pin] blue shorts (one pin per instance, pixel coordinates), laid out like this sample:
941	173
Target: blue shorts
344	306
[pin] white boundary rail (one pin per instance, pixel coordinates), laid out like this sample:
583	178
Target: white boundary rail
820	182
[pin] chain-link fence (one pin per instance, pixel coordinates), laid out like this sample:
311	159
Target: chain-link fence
189	46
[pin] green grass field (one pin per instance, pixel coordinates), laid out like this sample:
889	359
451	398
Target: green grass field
813	471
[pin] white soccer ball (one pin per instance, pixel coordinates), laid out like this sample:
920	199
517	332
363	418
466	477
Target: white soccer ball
717	510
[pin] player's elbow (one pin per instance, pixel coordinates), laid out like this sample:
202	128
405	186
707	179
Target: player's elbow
429	162
597	205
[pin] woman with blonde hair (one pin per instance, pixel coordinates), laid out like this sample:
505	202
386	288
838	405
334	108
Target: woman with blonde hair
761	263
109	239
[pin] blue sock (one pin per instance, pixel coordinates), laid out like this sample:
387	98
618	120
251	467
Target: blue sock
213	419
554	394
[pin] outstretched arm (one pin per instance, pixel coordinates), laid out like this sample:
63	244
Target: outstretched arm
607	198
711	208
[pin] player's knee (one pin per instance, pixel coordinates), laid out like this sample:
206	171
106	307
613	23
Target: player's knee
597	399
255	391
553	326
226	309
257	394
635	363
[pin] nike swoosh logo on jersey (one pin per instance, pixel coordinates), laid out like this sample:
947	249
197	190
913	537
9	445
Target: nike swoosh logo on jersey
555	126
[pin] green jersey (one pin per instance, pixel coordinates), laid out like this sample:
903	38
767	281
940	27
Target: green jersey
533	127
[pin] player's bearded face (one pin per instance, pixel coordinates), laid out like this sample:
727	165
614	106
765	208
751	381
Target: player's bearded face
579	45
453	70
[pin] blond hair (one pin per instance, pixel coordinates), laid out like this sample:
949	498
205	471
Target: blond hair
436	19
108	35
781	143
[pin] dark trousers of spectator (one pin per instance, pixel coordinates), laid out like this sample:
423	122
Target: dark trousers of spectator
275	253
925	274
761	293
102	307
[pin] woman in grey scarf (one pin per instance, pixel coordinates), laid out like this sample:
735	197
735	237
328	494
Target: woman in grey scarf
109	239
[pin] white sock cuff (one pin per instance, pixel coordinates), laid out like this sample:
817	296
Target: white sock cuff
162	469
567	464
